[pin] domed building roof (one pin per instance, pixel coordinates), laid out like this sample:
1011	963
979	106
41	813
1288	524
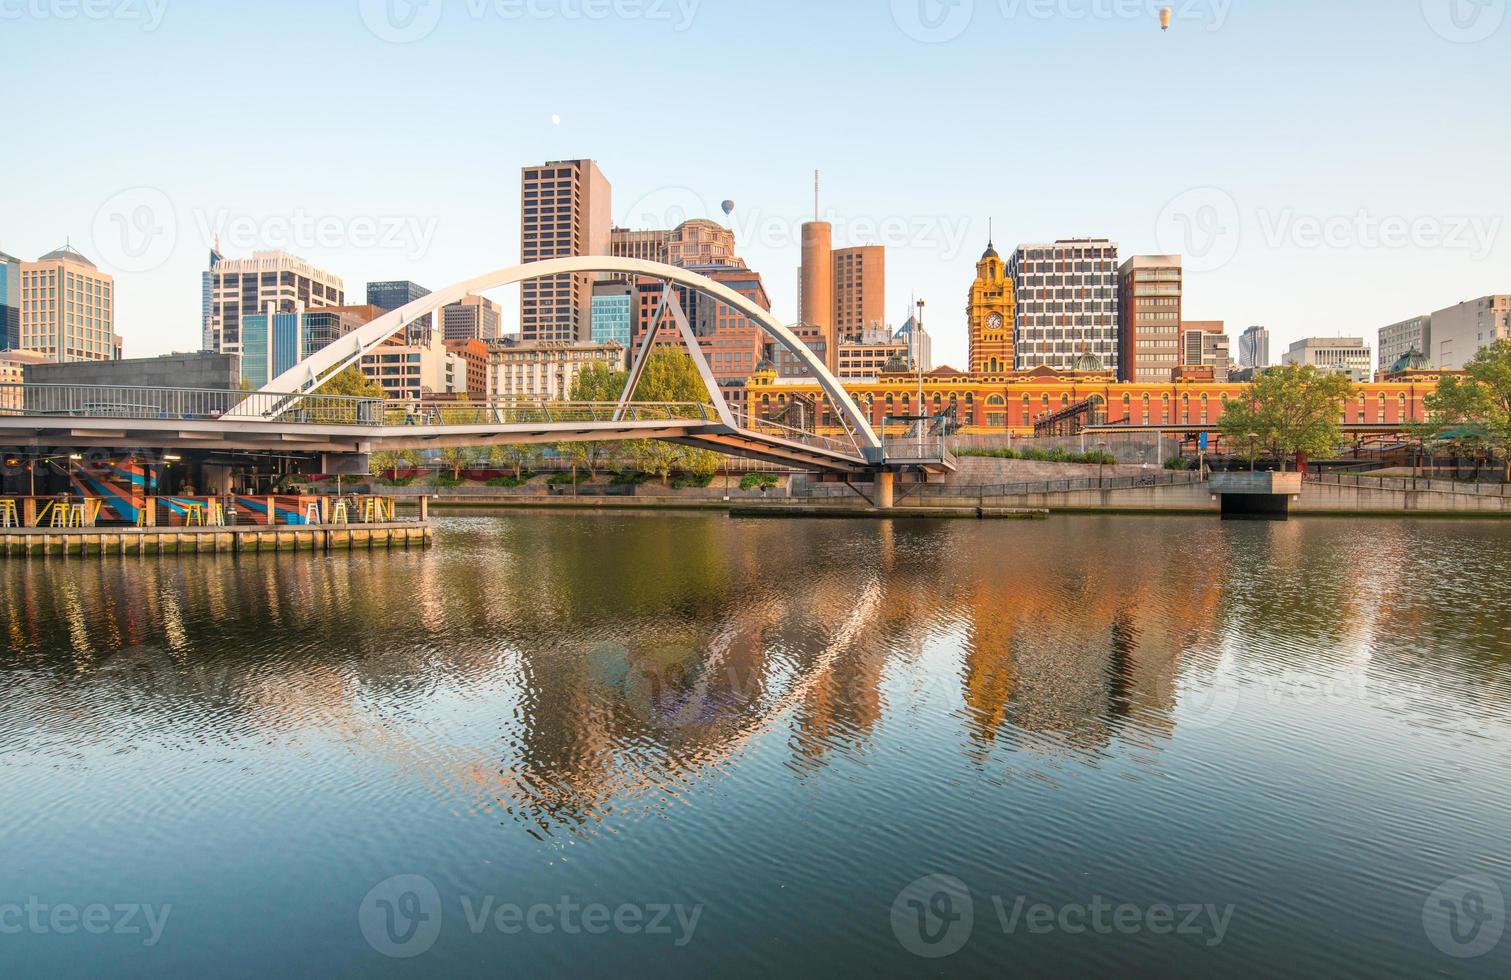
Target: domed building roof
1088	363
991	251
66	254
1412	360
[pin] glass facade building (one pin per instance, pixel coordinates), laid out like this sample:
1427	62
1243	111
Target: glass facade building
390	296
268	350
611	318
10	302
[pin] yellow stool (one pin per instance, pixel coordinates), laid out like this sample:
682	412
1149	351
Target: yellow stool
8	515
194	515
217	514
58	512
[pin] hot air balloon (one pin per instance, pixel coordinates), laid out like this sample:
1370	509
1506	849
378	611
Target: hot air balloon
729	207
1165	14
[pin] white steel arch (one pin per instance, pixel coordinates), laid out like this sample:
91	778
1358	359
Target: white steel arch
335	357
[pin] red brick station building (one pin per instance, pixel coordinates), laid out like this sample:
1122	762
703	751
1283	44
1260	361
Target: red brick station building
1048	402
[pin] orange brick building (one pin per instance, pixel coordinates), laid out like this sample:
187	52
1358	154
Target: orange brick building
1016	403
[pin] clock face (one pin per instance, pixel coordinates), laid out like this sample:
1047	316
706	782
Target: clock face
994	322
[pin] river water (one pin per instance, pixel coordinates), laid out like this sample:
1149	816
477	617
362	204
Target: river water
680	744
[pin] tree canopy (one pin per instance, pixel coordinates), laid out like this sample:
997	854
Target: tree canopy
1473	411
1288	410
352	383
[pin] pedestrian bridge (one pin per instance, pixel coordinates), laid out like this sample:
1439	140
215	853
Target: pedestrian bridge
79	417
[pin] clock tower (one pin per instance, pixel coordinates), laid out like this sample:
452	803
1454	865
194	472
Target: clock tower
991	314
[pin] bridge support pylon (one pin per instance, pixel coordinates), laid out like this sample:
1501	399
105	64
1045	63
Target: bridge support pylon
886	489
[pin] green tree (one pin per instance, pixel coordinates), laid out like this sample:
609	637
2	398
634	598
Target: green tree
1473	412
1292	409
517	456
352	383
671	376
596	384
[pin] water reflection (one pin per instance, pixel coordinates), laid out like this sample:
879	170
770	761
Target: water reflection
559	671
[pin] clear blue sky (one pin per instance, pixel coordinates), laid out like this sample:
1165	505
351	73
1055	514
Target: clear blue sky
1248	129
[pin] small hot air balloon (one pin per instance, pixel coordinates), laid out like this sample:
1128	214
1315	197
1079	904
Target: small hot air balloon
1165	15
729	207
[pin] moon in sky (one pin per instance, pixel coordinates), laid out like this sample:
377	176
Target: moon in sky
555	120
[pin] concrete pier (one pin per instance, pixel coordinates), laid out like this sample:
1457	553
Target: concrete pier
41	541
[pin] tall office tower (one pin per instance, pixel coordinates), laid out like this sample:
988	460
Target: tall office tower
207	299
817	291
990	312
1459	332
394	295
860	291
1254	348
565	209
1205	344
473	318
68	308
695	242
245	287
1400	339
1149	312
1067	296
10	302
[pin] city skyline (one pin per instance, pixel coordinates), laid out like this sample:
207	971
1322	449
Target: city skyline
148	197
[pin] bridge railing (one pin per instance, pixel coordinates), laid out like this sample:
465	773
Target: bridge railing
208	404
180	404
759	426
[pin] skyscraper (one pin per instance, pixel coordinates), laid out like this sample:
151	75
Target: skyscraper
1067	294
245	287
1254	348
565	209
1149	313
393	295
860	291
613	313
10	302
473	318
207	299
68	308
